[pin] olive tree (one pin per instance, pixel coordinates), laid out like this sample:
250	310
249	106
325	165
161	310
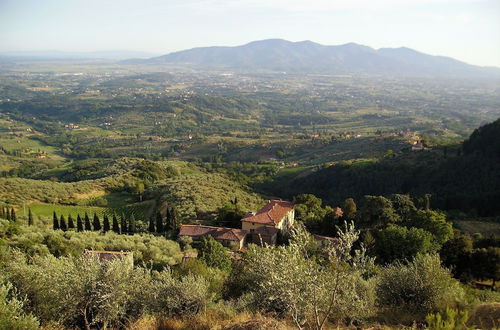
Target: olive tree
290	280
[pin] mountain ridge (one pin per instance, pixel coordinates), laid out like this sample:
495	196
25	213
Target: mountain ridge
310	57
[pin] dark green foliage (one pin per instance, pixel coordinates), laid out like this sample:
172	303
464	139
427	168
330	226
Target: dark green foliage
214	254
86	220
486	264
55	221
308	207
13	216
151	227
403	205
79	223
131	224
116	227
96	223
159	223
7	214
172	219
456	255
124	226
30	218
377	211
434	222
230	215
349	208
400	243
105	224
62	223
71	223
419	287
485	141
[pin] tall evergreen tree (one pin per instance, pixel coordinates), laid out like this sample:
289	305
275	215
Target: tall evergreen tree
88	226
13	215
131	224
174	215
7	214
55	221
62	223
79	223
116	227
168	220
71	223
124	225
30	218
151	227
105	224
96	223
159	223
2	212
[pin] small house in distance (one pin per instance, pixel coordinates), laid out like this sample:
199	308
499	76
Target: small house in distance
265	224
226	236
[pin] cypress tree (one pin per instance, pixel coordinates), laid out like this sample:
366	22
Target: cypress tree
96	223
168	220
174	215
88	226
13	215
116	228
131	224
124	227
159	223
151	225
7	214
62	223
2	212
55	221
79	223
30	218
71	223
105	224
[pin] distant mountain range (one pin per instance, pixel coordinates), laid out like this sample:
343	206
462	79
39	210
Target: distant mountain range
62	55
309	57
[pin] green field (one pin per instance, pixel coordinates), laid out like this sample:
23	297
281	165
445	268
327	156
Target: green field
46	210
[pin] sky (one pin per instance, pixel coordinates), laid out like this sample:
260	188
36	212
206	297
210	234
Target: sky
468	30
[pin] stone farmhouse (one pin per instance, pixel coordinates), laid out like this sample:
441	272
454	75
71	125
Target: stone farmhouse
260	227
228	237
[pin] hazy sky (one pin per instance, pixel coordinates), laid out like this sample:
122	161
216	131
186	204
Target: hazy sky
468	30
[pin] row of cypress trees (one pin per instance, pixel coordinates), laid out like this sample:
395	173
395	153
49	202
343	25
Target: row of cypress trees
157	223
10	214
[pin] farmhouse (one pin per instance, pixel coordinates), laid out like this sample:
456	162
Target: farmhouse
265	224
261	227
226	236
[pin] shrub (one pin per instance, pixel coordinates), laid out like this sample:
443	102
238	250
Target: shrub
12	316
419	287
451	319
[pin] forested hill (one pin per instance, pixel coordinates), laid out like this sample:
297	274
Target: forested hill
311	57
468	180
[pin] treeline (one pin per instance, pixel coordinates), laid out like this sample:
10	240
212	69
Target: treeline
399	228
469	182
124	225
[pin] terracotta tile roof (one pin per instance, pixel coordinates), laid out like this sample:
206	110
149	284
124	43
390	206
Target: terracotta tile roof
218	233
271	214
